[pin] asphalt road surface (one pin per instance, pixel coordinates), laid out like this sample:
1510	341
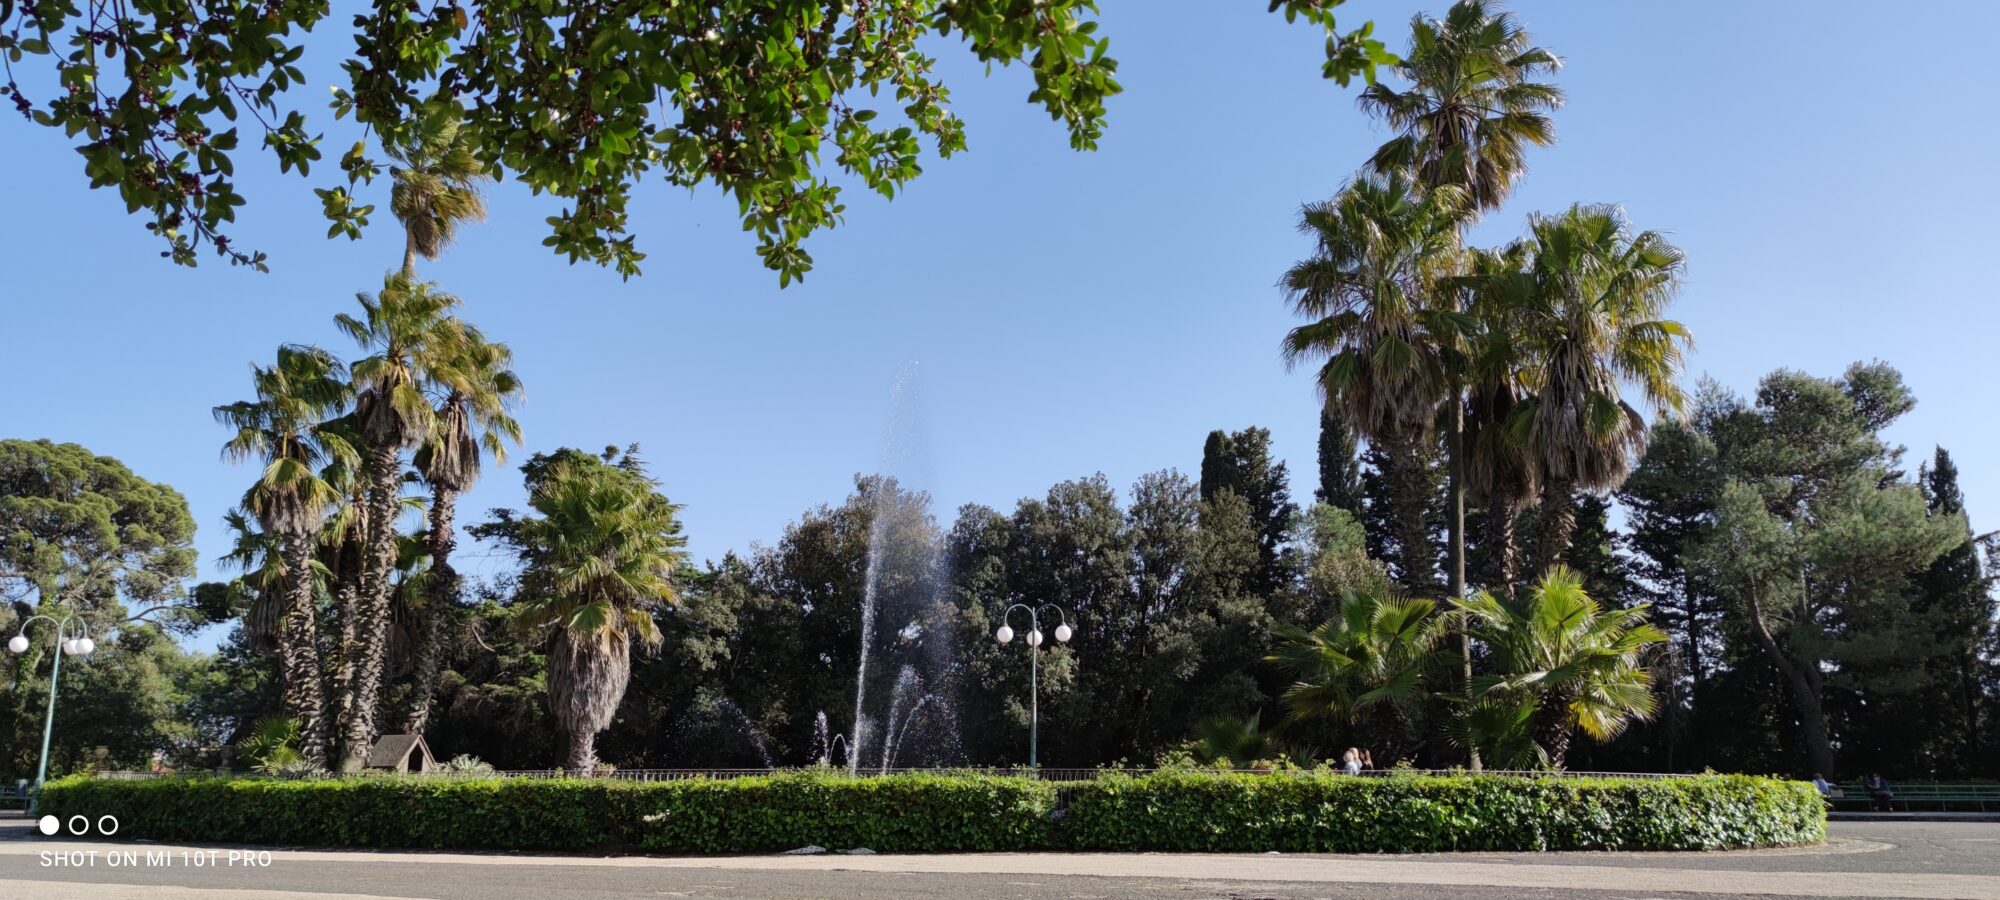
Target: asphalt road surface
1861	859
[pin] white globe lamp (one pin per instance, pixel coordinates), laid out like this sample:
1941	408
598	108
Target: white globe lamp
1004	635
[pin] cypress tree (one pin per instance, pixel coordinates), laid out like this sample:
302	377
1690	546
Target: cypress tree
1953	593
1339	464
1241	463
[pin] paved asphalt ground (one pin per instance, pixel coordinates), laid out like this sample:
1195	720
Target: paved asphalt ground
1861	859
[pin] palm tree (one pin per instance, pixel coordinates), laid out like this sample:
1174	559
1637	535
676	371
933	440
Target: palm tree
601	558
1575	663
436	188
409	334
1235	743
1370	288
261	590
1470	111
1587	310
1465	121
290	500
1497	471
474	417
1365	667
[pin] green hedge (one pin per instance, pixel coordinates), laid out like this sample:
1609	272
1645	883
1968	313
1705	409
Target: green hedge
1319	813
1172	811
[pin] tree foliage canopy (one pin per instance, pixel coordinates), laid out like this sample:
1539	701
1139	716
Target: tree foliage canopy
772	101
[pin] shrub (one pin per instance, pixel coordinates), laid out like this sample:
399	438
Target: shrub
778	812
1172	811
898	813
1321	813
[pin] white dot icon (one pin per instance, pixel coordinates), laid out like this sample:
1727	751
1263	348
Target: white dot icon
48	824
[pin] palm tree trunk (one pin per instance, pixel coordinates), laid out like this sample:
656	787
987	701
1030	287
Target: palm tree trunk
438	608
298	651
582	758
1554	730
347	599
1502	514
1558	522
1411	498
370	651
1455	518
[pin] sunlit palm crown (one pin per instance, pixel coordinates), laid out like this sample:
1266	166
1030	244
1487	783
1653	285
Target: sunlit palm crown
1374	652
1586	309
1557	642
1380	324
1497	461
281	427
437	186
480	390
604	553
1470	110
409	332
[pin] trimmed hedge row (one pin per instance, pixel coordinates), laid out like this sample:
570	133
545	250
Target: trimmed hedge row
1166	811
904	813
1194	812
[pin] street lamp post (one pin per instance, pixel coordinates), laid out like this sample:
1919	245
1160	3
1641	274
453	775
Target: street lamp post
1005	634
78	645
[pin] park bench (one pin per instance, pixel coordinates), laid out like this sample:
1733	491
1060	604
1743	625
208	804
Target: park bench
1923	798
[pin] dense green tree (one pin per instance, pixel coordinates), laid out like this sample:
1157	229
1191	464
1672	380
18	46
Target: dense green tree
1670	502
83	529
82	535
1954	594
772	102
1815	540
1241	462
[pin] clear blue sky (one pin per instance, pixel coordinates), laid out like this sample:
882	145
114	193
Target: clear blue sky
1826	167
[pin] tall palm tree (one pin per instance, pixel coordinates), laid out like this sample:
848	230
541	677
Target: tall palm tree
1365	667
435	189
1371	286
1589	309
473	418
602	555
1563	661
1471	109
409	333
290	500
261	588
1497	470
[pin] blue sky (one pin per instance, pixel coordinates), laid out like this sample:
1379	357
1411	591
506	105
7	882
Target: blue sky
1067	313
